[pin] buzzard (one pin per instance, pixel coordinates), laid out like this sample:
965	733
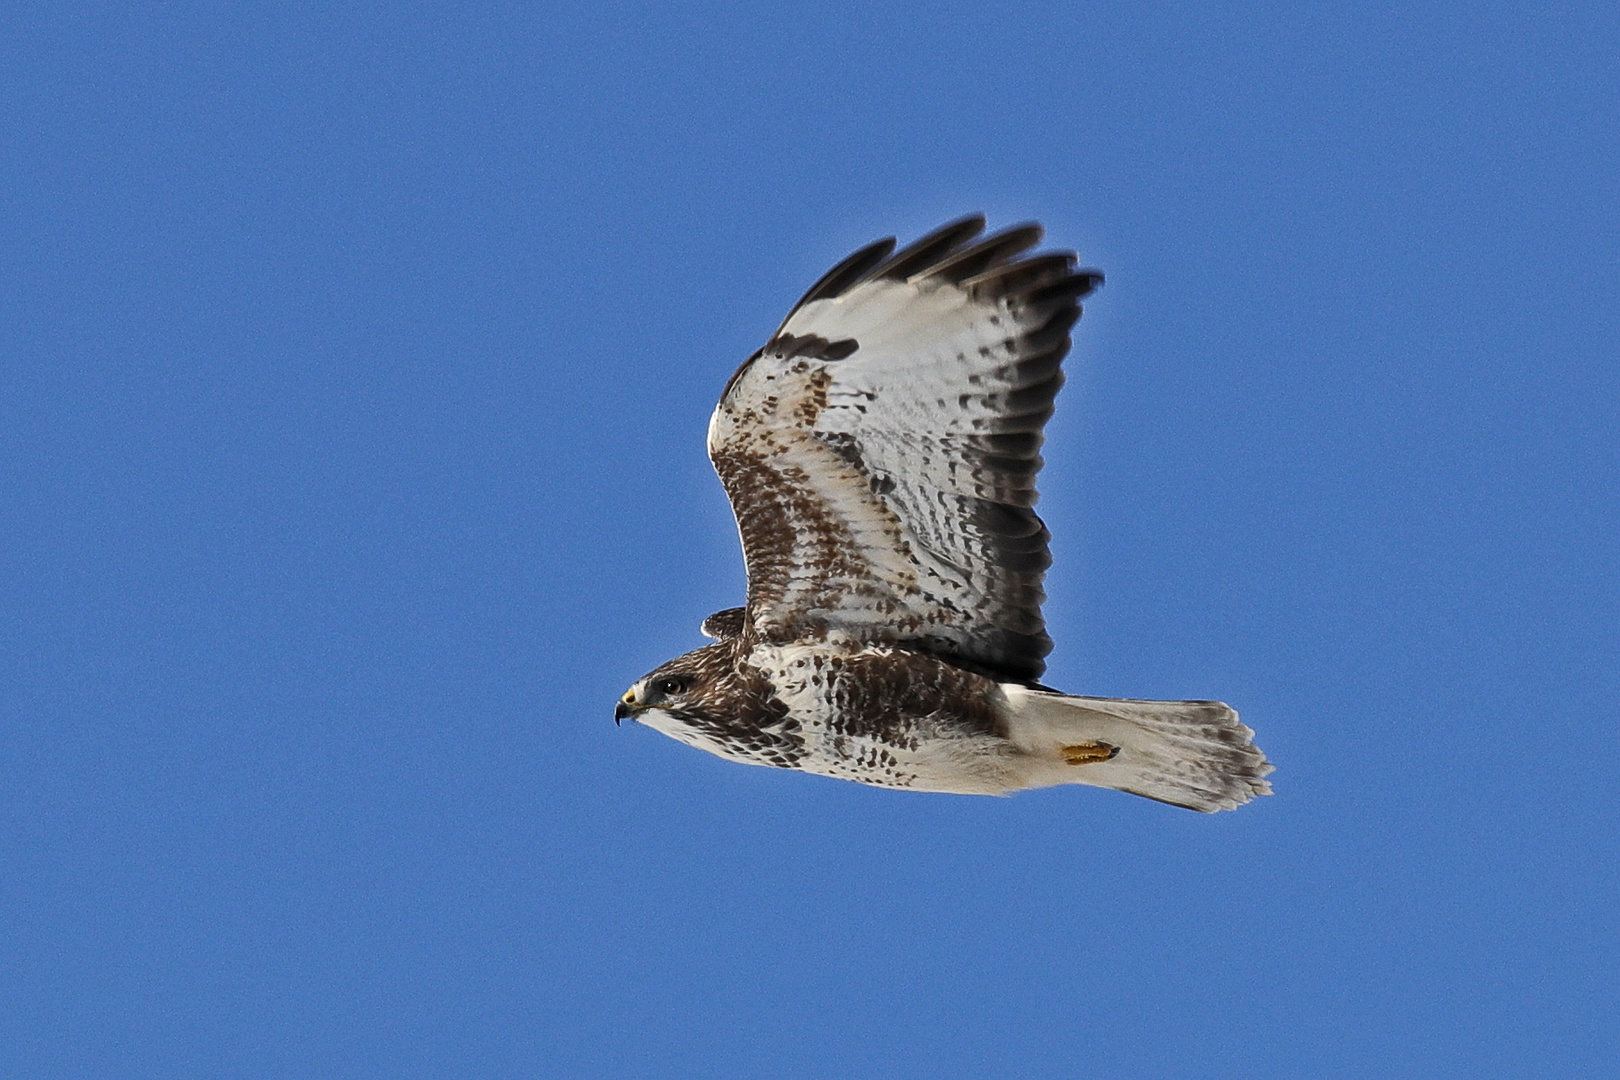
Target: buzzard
880	455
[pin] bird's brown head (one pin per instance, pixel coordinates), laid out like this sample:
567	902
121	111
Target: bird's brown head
710	698
687	686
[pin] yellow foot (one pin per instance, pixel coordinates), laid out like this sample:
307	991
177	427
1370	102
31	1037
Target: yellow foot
1089	753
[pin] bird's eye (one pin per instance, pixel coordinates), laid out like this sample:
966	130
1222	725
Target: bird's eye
671	684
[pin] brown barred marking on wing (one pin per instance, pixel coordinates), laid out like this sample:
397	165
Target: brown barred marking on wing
881	451
787	346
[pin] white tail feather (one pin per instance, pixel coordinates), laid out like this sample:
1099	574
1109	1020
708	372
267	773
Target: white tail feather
1188	753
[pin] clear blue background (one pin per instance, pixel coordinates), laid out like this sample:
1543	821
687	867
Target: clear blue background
356	362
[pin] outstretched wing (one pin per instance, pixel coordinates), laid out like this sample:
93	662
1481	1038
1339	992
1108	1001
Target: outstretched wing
880	451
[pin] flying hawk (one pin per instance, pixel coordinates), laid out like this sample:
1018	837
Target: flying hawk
880	455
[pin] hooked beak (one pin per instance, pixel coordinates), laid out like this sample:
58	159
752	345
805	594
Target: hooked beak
626	709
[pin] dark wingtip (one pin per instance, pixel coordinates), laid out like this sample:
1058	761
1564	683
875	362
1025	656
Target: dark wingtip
928	250
987	252
853	268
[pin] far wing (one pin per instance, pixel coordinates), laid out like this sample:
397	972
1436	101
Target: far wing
880	452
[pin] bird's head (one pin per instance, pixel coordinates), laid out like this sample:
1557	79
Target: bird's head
675	693
708	699
660	690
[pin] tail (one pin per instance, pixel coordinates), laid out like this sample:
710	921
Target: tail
1194	754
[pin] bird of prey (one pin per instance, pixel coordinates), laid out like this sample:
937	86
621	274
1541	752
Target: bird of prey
880	455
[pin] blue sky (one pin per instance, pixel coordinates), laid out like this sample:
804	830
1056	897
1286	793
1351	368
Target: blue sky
354	367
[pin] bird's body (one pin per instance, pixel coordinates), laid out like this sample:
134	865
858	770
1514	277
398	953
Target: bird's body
873	714
880	454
